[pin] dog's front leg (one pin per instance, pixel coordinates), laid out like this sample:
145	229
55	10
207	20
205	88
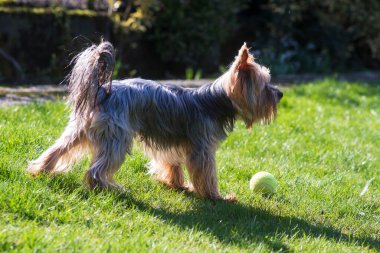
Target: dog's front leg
202	171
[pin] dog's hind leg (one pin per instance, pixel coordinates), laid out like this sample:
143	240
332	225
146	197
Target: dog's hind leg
108	153
166	165
170	174
66	150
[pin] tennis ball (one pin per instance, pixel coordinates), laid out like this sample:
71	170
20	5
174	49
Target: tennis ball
264	183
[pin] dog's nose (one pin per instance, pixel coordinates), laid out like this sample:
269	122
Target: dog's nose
280	94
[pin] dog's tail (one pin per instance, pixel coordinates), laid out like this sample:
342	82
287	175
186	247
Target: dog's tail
92	69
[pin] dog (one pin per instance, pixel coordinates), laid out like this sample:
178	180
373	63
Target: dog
177	126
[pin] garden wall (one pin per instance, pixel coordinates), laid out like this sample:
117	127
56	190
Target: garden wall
163	38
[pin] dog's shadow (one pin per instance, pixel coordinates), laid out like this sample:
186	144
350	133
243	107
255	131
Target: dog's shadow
241	225
233	223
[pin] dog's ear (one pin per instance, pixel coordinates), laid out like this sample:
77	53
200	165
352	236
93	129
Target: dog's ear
242	70
244	58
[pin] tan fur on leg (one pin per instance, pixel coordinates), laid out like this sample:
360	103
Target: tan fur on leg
165	165
58	158
169	174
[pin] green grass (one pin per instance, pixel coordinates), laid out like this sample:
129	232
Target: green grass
323	148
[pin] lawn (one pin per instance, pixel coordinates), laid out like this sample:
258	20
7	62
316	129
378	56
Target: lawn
323	148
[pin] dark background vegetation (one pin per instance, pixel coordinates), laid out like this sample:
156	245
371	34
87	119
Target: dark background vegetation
170	39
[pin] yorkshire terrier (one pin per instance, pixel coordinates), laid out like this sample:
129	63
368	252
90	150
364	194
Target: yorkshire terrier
177	126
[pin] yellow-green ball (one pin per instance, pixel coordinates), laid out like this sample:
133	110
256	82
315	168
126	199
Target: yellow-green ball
263	182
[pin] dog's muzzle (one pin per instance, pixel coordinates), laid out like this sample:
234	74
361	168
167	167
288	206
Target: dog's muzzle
277	93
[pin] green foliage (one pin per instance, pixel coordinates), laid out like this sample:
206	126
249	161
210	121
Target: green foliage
317	36
7	2
190	75
322	148
288	36
191	32
141	18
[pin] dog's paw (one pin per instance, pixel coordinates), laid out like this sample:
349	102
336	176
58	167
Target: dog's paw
33	168
230	197
188	186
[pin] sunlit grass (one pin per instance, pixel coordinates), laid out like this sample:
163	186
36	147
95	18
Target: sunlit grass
323	148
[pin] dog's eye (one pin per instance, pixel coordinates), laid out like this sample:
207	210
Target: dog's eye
268	87
272	88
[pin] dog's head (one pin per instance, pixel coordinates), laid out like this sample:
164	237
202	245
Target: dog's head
250	91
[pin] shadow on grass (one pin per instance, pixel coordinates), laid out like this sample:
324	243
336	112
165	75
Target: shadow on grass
234	223
241	225
231	223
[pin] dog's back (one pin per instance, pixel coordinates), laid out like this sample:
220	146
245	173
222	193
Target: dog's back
164	115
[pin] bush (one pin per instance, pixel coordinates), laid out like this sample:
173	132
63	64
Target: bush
163	38
190	33
314	35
